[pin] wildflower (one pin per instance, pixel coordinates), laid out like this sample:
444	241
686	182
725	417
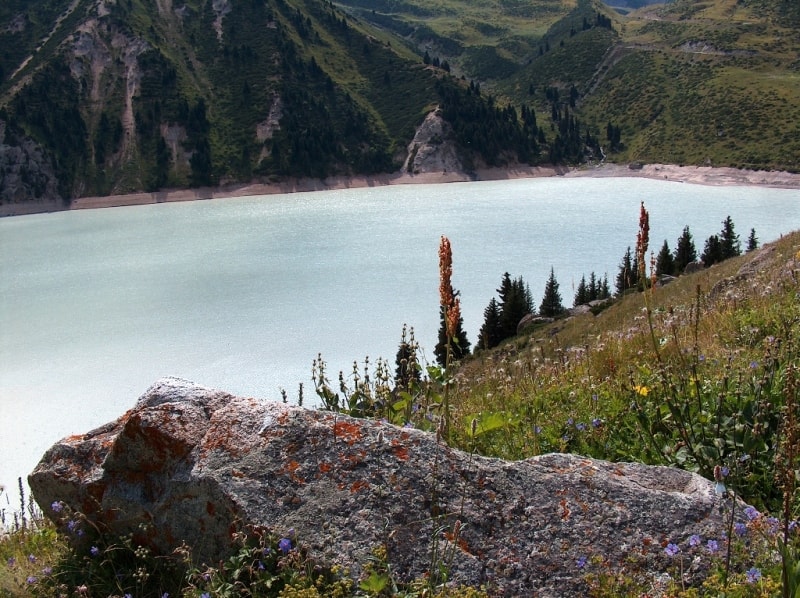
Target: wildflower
56	506
205	595
712	546
580	426
672	549
31	579
94	551
740	529
641	390
165	595
32	558
537	430
594	398
725	471
261	567
47	571
753	365
597	422
581	562
284	545
694	540
570	421
774	525
751	513
11	561
701	358
753	575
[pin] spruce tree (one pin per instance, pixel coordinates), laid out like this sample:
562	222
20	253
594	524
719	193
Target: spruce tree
685	252
752	241
605	289
582	293
407	370
515	303
551	301
628	275
729	240
491	333
665	263
712	252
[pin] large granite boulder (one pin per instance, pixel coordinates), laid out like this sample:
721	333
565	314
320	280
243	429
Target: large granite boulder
196	463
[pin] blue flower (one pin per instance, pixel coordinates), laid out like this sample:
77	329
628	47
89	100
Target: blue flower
581	562
753	575
751	513
725	471
580	426
712	546
31	579
56	506
284	545
740	529
47	570
32	558
11	561
594	398
672	549
94	551
537	429
695	540
570	421
597	422
205	595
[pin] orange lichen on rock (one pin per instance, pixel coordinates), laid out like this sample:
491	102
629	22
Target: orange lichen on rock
348	431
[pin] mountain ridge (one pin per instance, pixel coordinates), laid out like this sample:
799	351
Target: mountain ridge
124	96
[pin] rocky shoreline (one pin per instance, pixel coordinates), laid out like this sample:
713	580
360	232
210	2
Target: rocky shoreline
699	175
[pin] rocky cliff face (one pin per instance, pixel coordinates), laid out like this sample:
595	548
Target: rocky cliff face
433	148
27	177
196	463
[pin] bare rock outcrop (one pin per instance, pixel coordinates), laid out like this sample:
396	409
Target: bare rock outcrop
197	462
433	148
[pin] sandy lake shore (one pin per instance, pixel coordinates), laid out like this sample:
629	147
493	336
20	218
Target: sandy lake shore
700	175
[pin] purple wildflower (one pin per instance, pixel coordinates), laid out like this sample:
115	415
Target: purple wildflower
712	546
753	575
725	471
47	571
56	506
580	426
597	422
537	429
284	545
581	562
751	513
672	549
695	540
740	529
11	561
205	595
31	579
32	558
94	551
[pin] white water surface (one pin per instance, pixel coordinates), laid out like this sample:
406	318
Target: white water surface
241	294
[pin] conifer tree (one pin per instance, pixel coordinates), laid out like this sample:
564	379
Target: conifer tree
628	275
729	240
491	333
551	301
407	371
605	289
582	293
752	241
515	303
712	252
685	252
665	263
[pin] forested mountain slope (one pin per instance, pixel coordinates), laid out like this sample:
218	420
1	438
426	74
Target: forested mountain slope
113	96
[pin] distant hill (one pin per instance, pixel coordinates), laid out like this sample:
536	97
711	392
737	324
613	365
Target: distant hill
113	96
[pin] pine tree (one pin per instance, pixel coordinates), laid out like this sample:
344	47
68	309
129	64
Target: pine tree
551	301
407	371
628	275
729	240
491	332
515	303
752	241
665	263
582	293
685	252
605	289
712	252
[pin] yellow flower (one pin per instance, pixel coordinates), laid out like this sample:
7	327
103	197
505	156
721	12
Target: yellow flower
641	390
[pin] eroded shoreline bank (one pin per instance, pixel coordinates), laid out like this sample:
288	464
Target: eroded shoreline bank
698	175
